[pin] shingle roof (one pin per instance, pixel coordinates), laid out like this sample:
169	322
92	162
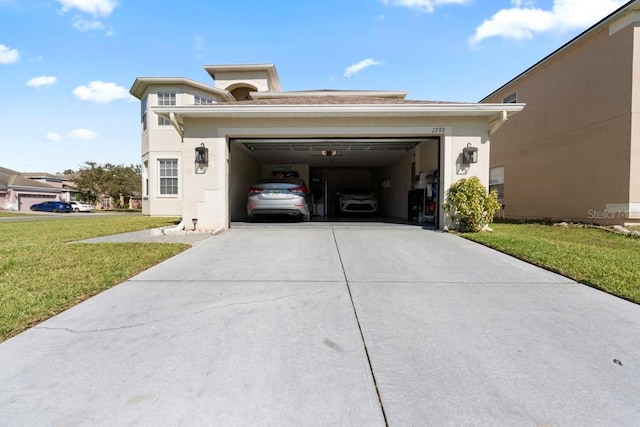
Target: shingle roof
334	100
11	178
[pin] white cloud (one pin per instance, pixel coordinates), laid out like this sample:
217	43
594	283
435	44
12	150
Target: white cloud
85	25
8	55
422	5
42	81
53	137
524	21
356	68
83	134
93	7
101	92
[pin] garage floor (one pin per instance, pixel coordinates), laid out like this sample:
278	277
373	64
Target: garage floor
333	324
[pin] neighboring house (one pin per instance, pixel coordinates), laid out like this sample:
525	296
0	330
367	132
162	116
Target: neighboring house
203	145
66	185
18	191
574	152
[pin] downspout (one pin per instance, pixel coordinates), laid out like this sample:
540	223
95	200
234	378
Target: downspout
497	123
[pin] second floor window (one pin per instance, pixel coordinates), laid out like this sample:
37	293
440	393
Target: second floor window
165	98
143	113
511	99
201	100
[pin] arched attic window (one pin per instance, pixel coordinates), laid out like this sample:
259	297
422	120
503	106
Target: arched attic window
241	93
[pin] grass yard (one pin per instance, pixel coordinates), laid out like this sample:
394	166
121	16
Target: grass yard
604	260
4	214
41	275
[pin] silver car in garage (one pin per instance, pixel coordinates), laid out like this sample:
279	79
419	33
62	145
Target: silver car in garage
279	196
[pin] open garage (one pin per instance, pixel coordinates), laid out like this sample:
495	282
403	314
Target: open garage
330	165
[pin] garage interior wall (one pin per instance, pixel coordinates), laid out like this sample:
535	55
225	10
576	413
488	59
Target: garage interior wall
393	200
243	171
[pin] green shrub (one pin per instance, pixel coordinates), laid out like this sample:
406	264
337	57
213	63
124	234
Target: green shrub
470	206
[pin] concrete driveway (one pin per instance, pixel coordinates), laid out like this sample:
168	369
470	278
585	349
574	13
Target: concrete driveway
333	324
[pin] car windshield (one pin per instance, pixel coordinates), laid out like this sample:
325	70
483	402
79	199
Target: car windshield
355	190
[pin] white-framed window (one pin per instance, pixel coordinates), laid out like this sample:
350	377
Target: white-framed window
165	98
168	175
201	100
511	99
496	181
145	179
143	113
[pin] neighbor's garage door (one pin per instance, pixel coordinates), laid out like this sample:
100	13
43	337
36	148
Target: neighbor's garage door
25	202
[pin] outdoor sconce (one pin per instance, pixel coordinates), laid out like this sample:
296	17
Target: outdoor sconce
202	154
194	221
469	154
329	153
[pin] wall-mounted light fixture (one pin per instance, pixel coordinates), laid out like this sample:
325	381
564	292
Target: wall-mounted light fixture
202	154
329	153
469	154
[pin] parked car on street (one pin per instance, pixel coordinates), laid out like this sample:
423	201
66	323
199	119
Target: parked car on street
357	200
81	207
52	206
279	196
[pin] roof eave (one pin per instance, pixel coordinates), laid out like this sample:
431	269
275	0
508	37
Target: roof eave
270	69
491	111
141	85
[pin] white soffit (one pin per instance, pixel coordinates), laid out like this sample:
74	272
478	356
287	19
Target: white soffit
492	111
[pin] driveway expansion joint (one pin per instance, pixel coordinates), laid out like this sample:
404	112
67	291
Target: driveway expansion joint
364	342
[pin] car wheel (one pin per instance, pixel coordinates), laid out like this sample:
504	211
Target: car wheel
76	210
54	210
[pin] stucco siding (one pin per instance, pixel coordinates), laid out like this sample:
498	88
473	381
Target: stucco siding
568	153
634	166
566	176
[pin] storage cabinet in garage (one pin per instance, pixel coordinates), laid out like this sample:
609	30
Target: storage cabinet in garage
422	204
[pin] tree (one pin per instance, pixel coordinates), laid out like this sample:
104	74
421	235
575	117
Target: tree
119	182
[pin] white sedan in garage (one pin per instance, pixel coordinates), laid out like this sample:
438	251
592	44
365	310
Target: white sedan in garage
357	200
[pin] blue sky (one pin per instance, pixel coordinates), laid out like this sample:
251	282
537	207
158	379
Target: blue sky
66	66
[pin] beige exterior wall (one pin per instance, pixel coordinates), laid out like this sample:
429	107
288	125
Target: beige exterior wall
634	167
569	152
163	142
214	195
229	80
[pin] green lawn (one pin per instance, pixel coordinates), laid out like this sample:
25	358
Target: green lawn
42	275
595	257
4	214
